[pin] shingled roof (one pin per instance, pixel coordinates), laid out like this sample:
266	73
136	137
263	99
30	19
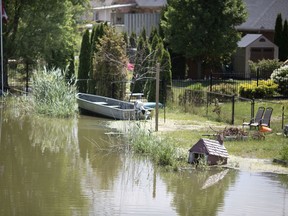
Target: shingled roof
262	14
211	147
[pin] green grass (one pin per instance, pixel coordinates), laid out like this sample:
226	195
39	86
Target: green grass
271	147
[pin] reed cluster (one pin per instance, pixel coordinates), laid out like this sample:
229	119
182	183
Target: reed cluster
53	95
162	151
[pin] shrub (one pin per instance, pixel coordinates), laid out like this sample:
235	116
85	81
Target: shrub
280	76
225	88
265	66
195	97
265	89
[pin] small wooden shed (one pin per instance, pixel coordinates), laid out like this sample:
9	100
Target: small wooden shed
252	47
212	151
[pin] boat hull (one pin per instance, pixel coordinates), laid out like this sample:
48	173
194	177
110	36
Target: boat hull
108	107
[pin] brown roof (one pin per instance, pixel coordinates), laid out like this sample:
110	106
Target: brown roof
211	147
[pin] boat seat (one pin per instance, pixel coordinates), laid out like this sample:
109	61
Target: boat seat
100	103
113	106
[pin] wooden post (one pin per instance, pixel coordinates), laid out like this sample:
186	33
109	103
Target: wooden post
157	96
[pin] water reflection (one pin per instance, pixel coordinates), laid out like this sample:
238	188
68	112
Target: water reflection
34	180
54	134
190	198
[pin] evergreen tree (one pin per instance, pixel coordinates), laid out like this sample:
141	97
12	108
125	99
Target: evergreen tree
84	62
144	35
141	66
97	33
110	65
285	40
157	54
133	40
125	38
70	72
166	78
278	36
154	32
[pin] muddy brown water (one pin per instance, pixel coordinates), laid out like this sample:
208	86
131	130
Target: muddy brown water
69	167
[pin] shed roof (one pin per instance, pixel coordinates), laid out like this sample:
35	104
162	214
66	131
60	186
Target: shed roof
251	38
248	39
262	14
213	147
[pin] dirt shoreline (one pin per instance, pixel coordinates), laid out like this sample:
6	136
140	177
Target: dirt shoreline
235	162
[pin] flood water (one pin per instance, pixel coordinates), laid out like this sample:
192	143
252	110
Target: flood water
71	167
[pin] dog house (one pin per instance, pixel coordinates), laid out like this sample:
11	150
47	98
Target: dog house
211	151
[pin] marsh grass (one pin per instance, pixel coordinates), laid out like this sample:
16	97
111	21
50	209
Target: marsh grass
161	150
52	95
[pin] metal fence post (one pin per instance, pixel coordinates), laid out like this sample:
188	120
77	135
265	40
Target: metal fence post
283	117
211	82
252	108
233	109
257	75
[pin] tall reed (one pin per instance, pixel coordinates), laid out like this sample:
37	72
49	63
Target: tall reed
52	95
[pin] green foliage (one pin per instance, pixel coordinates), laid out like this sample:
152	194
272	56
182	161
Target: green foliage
52	95
153	33
133	40
166	78
84	62
70	73
195	97
284	153
265	67
280	76
203	30
285	40
265	89
110	65
42	30
97	34
278	37
162	151
142	64
225	88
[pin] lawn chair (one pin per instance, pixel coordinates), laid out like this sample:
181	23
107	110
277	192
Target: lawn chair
265	121
254	122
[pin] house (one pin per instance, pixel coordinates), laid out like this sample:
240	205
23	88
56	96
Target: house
262	16
134	15
212	151
131	15
252	47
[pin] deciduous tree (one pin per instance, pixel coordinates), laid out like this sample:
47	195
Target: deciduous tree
41	31
203	30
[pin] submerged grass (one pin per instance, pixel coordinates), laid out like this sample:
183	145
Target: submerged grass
162	151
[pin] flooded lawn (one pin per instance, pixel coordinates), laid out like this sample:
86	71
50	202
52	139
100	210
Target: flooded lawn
70	167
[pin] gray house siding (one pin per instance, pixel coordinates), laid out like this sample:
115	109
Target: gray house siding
136	22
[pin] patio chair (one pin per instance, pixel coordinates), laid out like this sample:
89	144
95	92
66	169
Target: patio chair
254	122
265	121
